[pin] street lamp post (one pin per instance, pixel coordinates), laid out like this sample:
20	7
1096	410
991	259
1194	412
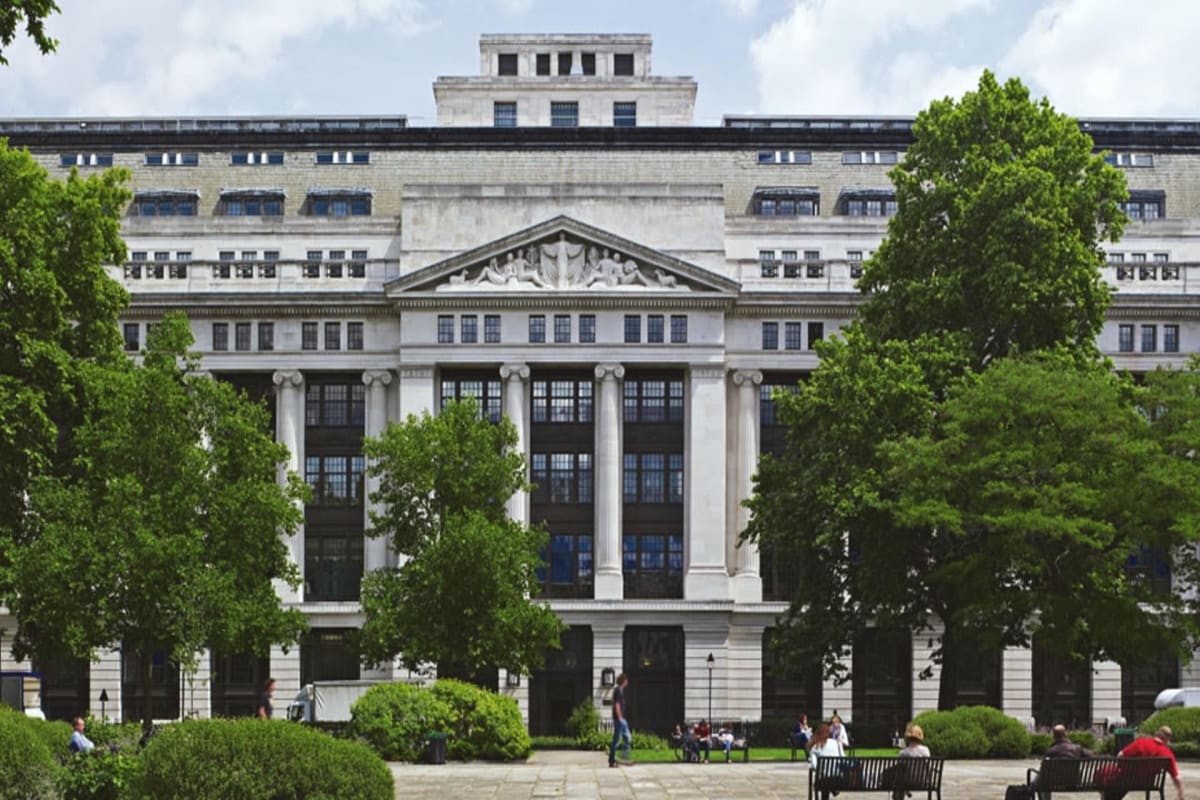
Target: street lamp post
710	661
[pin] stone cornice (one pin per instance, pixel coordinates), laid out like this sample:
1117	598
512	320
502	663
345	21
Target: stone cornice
559	300
281	307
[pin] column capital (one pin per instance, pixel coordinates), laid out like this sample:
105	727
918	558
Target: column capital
744	376
609	372
288	377
514	372
382	377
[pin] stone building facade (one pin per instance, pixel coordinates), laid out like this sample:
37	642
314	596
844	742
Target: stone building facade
628	288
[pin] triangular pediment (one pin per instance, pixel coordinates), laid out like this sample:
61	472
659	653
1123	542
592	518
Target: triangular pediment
562	255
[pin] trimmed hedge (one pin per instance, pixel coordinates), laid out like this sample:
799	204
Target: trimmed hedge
1184	724
253	759
394	719
28	770
483	724
974	732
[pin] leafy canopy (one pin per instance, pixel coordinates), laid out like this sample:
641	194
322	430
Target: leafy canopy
462	596
33	13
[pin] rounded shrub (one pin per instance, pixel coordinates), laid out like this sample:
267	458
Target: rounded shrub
483	724
974	732
1184	724
28	770
1039	743
395	719
258	760
584	723
99	775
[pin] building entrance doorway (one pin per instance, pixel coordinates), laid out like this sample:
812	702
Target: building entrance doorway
562	684
655	666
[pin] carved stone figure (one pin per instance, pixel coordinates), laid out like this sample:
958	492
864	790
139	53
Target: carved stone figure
665	279
493	273
523	270
563	265
630	272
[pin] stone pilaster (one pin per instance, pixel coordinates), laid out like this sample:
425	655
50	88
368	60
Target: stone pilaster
707	577
289	415
609	581
747	583
375	550
516	377
416	390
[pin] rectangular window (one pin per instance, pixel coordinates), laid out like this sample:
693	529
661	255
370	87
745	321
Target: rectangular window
333	336
1125	338
654	478
816	332
504	115
308	336
633	329
654	328
564	63
130	331
784	157
624	115
543	63
445	329
491	329
767	264
354	336
588	62
250	159
1170	338
855	259
561	478
679	329
770	336
266	336
160	159
791	335
241	337
622	63
335	404
653	401
870	157
537	328
1149	338
1129	159
469	329
85	160
506	64
562	328
562	401
220	336
485	393
564	115
335	480
587	328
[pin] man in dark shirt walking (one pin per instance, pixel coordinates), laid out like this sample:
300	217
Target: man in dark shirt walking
620	722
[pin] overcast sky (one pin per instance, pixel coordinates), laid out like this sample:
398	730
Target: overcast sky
1111	58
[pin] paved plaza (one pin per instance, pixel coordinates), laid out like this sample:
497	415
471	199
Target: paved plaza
586	776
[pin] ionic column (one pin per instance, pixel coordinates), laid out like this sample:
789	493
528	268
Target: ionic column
375	549
707	577
514	377
289	431
609	581
747	584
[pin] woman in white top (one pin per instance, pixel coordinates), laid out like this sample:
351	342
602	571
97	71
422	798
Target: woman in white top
822	744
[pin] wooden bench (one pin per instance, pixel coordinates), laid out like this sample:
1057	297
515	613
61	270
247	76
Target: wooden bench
741	741
1100	774
875	774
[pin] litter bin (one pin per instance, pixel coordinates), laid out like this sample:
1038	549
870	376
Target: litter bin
1124	737
436	749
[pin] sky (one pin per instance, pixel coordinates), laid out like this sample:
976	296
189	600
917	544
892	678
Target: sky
1096	58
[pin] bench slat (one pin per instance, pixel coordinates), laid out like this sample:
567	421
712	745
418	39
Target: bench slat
1100	774
876	774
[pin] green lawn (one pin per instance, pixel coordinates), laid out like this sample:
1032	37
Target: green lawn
756	754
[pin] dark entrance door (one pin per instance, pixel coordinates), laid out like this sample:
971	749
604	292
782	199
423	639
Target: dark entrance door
882	692
562	684
65	687
654	664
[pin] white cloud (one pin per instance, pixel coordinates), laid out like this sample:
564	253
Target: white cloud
838	57
147	57
1110	58
515	8
740	8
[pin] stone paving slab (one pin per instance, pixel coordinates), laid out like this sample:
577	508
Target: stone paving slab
586	776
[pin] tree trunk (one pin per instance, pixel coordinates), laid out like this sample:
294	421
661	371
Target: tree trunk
144	665
948	684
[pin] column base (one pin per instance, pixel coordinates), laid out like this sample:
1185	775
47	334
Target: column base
747	587
706	583
610	586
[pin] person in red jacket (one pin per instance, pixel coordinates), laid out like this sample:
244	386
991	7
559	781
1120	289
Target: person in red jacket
703	735
1151	747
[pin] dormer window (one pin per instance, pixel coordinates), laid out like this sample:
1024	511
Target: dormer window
165	202
868	203
325	202
787	201
622	63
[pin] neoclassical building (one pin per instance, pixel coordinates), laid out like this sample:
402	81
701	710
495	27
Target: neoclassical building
568	248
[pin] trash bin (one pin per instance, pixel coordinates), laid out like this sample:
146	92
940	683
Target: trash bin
1124	737
436	748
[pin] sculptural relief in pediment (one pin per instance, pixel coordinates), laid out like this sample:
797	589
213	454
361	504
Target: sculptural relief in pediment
564	264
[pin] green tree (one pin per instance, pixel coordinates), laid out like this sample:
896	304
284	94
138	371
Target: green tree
167	532
33	14
58	313
994	250
1038	481
461	598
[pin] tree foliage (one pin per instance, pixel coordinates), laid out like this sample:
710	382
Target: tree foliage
58	312
31	13
462	596
884	497
166	533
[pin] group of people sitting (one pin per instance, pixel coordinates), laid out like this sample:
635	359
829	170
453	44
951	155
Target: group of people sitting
830	739
699	741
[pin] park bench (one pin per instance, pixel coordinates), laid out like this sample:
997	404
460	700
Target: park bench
875	774
741	741
1100	774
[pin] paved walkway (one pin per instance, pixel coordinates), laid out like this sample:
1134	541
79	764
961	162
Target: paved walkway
586	776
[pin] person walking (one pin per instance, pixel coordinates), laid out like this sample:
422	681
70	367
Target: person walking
265	707
620	722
